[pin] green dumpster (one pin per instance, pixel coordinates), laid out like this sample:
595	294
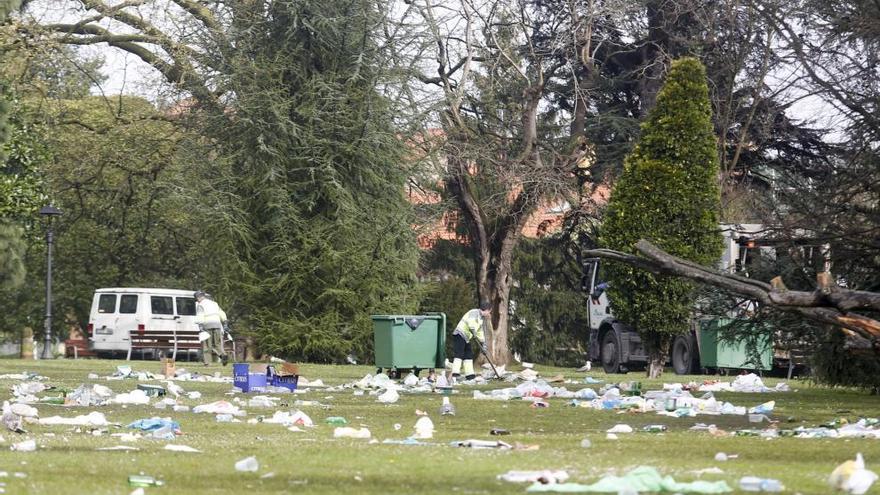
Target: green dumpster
413	342
719	354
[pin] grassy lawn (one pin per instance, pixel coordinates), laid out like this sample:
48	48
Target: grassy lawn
314	462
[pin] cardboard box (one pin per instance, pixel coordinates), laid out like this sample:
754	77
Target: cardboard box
168	368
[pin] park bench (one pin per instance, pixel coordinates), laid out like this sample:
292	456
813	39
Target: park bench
172	340
77	348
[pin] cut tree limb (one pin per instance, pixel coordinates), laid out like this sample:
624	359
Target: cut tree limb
828	304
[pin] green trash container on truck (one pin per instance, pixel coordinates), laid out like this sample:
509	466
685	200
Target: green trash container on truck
715	353
409	342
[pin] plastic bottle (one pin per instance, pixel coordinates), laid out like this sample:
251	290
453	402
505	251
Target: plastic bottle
654	428
447	409
139	480
336	420
755	484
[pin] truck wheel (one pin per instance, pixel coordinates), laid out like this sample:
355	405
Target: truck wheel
685	358
610	352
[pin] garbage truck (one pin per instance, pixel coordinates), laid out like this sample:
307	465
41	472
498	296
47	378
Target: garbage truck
618	347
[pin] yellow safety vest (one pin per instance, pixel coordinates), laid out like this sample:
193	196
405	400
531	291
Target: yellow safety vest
471	325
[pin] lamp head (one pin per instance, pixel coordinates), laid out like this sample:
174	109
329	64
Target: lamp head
49	211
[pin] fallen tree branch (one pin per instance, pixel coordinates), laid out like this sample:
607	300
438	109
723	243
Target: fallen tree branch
828	304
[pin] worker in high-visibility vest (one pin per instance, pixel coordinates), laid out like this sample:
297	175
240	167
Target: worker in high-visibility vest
471	327
210	319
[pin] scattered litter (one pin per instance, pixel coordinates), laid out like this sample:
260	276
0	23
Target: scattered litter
640	479
411	380
424	428
174	388
765	408
711	470
390	396
749	383
143	481
722	457
94	418
24	410
152	424
118	447
287	418
25	446
263	401
755	484
219	407
336	420
182	448
544	477
446	408
611	436
165	403
621	428
152	390
586	443
852	476
408	441
499	431
349	432
482	444
248	465
134	397
27	375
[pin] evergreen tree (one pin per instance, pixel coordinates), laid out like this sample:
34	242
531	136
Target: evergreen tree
668	194
311	178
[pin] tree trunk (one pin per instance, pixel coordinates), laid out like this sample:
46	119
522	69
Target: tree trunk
27	343
657	347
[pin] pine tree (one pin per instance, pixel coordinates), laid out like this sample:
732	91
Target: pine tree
318	225
668	194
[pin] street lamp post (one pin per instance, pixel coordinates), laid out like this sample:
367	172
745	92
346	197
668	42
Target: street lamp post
49	212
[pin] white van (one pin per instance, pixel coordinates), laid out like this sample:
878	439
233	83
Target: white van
117	311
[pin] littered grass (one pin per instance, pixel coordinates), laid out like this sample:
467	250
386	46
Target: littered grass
312	461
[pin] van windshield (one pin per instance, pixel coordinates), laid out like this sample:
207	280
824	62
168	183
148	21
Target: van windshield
161	305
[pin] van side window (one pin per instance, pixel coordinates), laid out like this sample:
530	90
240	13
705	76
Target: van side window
107	303
128	303
161	305
186	306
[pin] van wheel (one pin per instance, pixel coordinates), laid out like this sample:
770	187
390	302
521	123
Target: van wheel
610	352
685	357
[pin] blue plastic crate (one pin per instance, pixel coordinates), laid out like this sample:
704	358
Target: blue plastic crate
288	382
247	381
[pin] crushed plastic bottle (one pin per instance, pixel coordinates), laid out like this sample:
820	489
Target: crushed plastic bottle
336	421
140	480
447	409
755	484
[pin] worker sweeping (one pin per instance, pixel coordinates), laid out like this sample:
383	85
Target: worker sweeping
211	320
472	324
